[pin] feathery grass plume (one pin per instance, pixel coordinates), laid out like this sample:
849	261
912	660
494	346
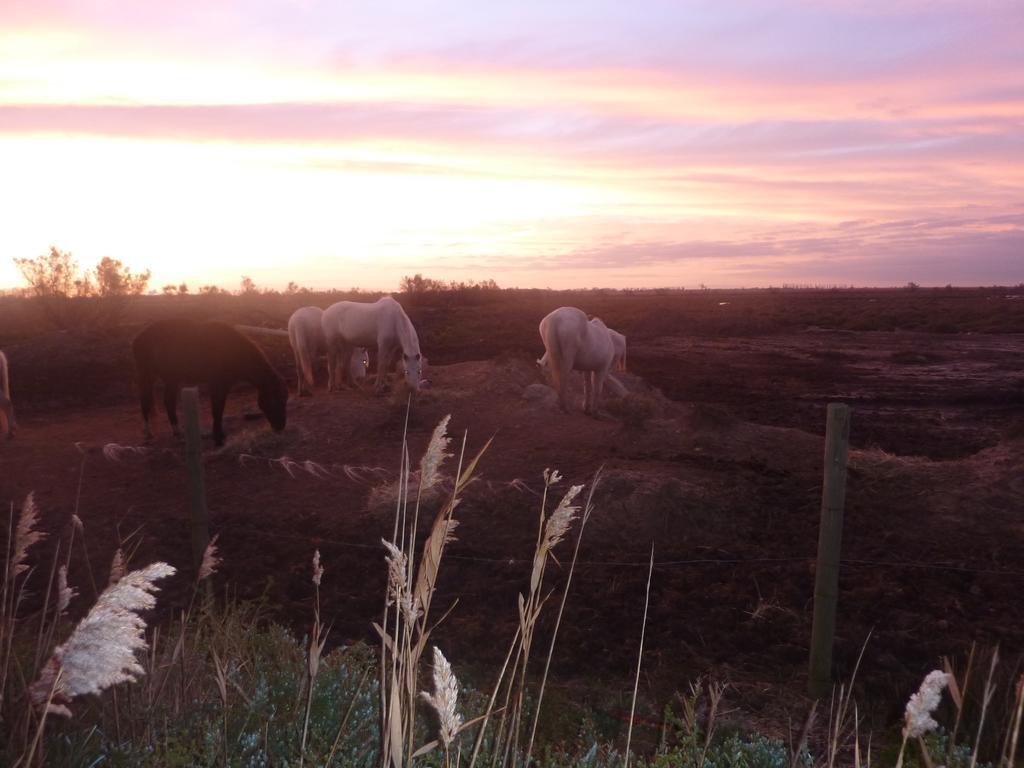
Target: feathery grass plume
117	567
289	465
211	560
101	650
362	474
315	469
551	529
318	571
317	640
444	699
115	452
560	520
25	535
397	565
435	455
65	594
587	511
919	720
555	528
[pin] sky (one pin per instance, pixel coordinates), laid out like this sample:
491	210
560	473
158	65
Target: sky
728	143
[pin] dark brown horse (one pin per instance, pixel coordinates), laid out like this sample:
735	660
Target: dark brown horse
184	352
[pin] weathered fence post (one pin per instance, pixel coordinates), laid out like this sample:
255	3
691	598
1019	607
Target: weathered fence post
830	535
196	485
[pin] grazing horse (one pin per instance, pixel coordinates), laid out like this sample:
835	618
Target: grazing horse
185	352
382	324
619	341
573	343
306	334
6	406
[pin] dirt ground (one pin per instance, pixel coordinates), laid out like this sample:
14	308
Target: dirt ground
715	457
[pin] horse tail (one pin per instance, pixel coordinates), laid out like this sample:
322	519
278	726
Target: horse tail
559	366
305	359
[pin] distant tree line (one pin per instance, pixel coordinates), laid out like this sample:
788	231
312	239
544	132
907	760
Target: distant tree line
71	297
420	284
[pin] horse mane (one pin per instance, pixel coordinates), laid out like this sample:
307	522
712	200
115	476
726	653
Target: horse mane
406	331
263	370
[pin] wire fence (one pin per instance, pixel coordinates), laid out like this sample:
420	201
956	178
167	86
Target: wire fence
368	475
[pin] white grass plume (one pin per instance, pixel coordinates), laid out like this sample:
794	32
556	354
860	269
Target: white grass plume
398	593
363	474
560	520
25	535
211	560
117	567
289	465
318	570
444	699
435	455
918	716
65	594
398	565
101	650
116	452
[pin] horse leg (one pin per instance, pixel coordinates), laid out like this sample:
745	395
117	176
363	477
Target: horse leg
597	389
218	398
588	392
344	357
332	362
171	389
561	373
385	354
7	412
146	402
335	375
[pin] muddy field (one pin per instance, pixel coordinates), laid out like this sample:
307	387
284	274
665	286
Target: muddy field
715	456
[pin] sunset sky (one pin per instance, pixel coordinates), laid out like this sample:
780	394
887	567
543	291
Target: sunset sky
561	144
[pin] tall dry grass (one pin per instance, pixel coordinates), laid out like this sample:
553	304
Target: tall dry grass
99	653
218	685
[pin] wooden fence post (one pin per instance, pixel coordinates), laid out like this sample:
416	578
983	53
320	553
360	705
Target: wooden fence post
830	535
196	484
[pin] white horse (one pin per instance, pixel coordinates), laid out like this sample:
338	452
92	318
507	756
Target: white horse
619	340
382	324
6	406
306	335
572	343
